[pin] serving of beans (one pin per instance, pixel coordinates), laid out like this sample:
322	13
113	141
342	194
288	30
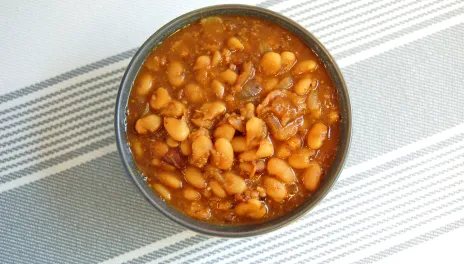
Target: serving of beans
233	120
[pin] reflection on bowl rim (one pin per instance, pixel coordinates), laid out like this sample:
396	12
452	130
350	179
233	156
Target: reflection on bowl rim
232	230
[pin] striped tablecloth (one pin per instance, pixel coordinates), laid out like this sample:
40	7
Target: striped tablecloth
65	198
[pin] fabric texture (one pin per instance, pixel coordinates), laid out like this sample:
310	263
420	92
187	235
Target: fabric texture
65	197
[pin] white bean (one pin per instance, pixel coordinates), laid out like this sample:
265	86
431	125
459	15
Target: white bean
224	131
191	194
234	184
235	44
162	191
217	189
203	62
201	148
176	73
144	83
160	99
170	180
288	60
280	169
301	158
195	177
316	135
270	63
149	123
177	128
304	67
275	189
312	176
194	93
265	149
223	156
254	128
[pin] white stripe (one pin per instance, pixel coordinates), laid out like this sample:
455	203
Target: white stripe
75	143
150	248
403	151
46	137
342	13
315	9
62	105
401	41
411	245
382	230
429	159
48	129
370	34
327	12
290	4
368	20
351	21
184	250
398	239
60	86
41	123
65	122
57	168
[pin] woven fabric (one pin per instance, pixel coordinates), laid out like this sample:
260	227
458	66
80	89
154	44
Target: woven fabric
65	197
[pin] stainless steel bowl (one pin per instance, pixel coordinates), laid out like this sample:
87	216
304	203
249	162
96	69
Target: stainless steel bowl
231	230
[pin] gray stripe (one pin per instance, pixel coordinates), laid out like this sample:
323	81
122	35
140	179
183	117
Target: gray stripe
366	184
60	117
399	232
91	93
186	254
170	249
39	149
312	7
66	76
413	242
314	4
269	3
397	162
25	106
314	24
79	215
28	145
333	215
51	152
383	99
362	222
398	33
311	232
339	31
59	159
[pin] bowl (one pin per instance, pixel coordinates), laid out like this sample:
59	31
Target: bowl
232	230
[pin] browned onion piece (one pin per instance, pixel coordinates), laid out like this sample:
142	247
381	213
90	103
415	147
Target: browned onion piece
282	132
174	157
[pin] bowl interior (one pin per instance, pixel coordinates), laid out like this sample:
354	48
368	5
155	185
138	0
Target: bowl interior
231	230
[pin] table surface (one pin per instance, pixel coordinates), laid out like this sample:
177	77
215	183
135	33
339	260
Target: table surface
64	196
